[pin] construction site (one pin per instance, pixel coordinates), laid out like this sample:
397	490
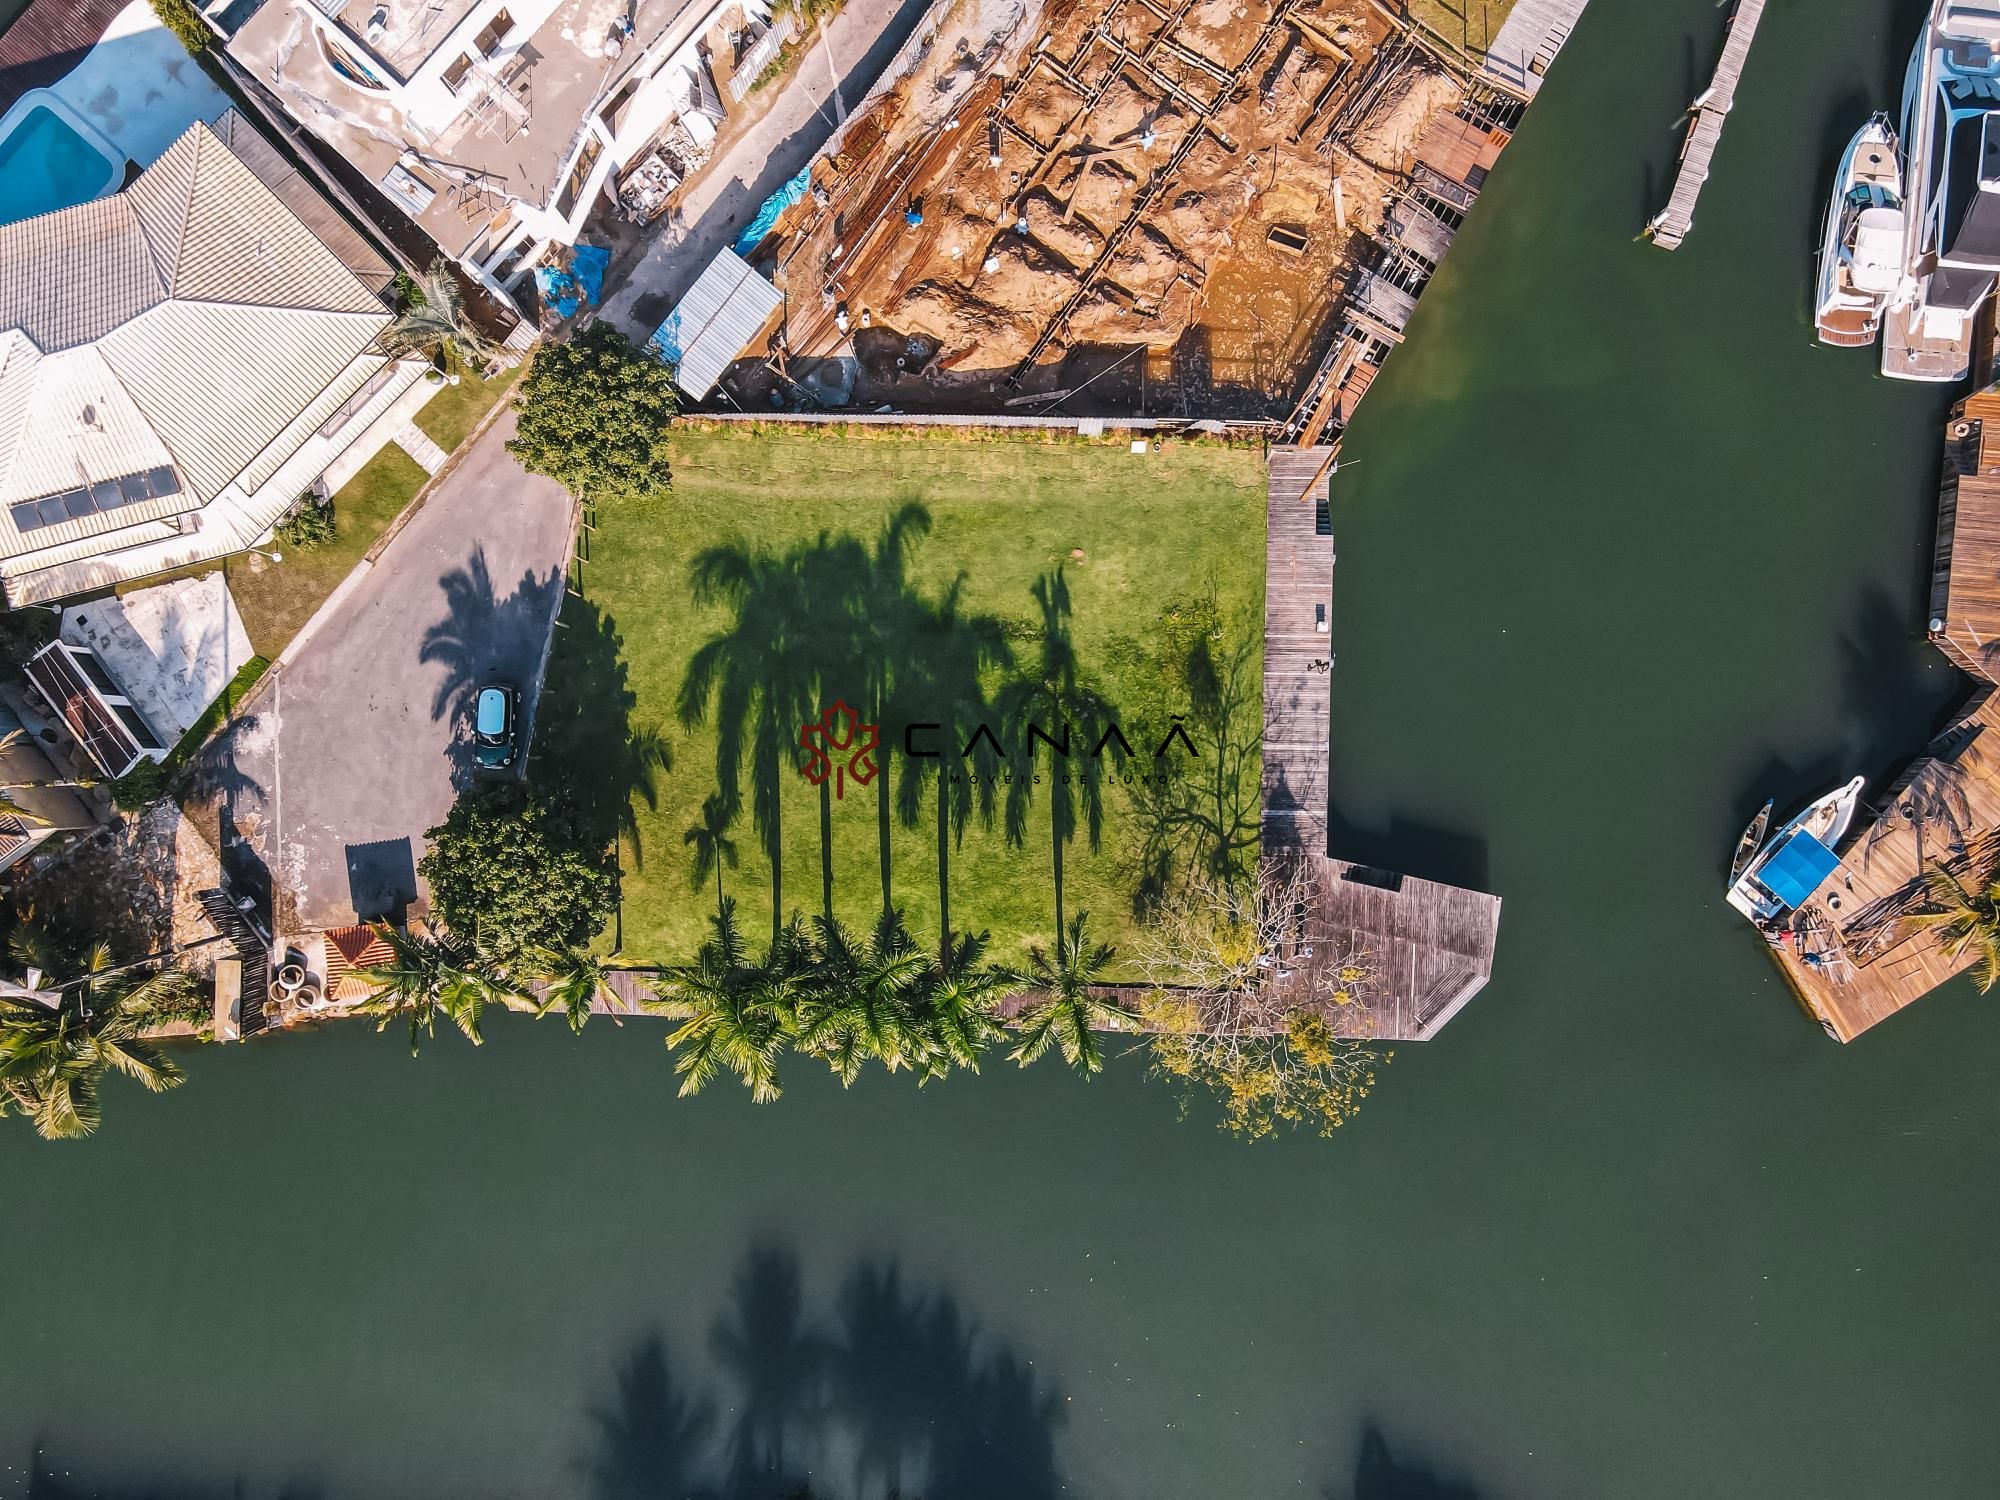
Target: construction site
1193	208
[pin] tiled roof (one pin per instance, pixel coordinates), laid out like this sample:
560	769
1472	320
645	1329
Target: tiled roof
187	321
349	949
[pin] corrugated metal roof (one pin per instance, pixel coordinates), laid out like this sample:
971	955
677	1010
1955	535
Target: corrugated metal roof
190	320
723	313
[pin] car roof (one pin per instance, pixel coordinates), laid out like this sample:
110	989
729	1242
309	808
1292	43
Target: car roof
492	716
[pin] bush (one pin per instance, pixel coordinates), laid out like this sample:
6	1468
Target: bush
181	18
142	786
310	526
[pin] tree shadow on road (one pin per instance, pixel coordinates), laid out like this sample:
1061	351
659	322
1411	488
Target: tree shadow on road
485	638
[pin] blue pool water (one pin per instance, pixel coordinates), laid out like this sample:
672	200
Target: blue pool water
45	165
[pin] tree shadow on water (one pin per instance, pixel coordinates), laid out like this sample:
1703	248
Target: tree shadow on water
1380	1474
901	1395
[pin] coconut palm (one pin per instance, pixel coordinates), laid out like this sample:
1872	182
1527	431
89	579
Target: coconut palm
736	1015
713	847
59	1036
1068	1012
1054	697
434	321
960	1002
1965	914
575	982
433	976
861	998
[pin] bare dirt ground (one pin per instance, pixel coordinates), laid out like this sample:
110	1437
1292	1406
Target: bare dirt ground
1045	189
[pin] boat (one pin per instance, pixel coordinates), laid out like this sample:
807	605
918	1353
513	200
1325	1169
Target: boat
1782	874
1752	840
1861	255
1951	193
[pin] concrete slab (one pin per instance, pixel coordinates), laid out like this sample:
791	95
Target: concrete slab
139	86
172	648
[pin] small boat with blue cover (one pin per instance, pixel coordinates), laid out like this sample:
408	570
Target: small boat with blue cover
1796	860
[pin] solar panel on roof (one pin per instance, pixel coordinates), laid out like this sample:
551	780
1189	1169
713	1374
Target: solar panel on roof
163	482
134	486
53	511
77	503
26	517
106	495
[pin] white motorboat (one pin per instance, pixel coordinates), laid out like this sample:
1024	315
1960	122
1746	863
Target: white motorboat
1861	255
1951	191
1796	860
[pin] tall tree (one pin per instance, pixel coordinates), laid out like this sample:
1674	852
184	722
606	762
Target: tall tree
959	1009
1068	1012
736	1016
1054	700
713	847
1964	910
434	976
433	321
594	414
79	1018
861	999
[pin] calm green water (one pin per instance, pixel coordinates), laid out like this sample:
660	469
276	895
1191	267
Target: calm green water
1625	553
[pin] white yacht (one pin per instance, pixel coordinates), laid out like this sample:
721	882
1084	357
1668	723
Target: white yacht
1796	860
1861	255
1951	188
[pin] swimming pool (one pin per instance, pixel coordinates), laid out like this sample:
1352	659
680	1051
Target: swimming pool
47	161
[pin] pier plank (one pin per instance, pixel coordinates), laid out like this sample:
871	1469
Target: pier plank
1672	224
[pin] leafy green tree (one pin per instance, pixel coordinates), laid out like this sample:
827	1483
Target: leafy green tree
737	1016
432	977
1964	911
80	1018
1067	1013
861	999
184	21
434	321
510	869
959	1009
594	415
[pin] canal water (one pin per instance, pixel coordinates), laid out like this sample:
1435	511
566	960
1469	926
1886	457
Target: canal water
1622	554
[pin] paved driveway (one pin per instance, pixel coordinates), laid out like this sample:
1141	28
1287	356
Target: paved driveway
358	745
859	41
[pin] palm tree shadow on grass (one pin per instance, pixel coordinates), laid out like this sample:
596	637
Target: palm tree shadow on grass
585	738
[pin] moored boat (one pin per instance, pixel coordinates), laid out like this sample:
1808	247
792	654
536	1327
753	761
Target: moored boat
1861	254
1782	874
1752	840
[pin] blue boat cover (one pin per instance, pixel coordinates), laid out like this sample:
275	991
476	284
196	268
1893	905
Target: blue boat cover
587	265
1798	869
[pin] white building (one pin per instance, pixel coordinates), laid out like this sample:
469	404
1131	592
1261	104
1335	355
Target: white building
497	125
179	363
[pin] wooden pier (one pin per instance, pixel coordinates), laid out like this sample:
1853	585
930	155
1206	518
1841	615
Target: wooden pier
1852	954
1671	225
1430	945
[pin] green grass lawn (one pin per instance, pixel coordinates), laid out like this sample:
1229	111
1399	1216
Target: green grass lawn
449	416
1467	24
1131	535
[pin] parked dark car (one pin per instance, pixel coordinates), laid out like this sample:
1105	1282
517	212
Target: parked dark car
495	727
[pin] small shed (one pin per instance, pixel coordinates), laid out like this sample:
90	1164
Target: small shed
728	309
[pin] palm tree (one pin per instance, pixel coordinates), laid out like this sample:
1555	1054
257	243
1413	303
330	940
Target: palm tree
861	998
713	847
58	1038
1068	1014
1964	916
960	1004
1055	698
434	321
574	981
432	976
736	1015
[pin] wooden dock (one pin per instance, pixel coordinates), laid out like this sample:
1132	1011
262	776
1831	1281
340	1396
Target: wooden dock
1430	945
1851	953
1671	225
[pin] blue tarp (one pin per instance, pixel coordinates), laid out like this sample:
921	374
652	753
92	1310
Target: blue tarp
767	214
1797	869
565	291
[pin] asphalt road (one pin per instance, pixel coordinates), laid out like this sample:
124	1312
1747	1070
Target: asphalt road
859	43
359	744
